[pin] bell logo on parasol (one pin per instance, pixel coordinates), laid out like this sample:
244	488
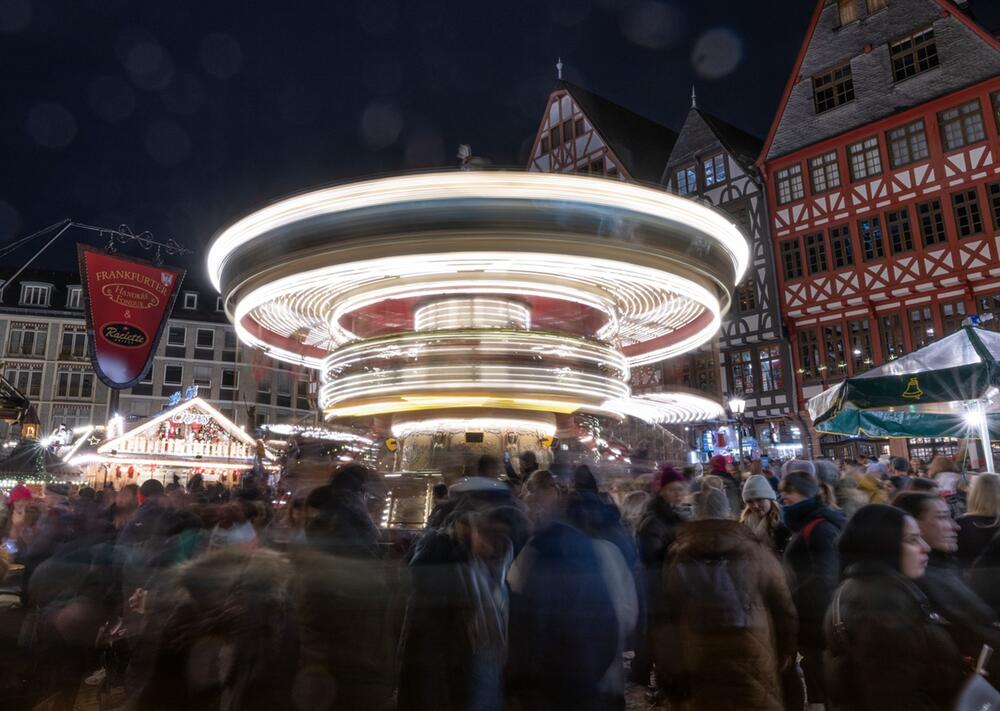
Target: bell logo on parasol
913	390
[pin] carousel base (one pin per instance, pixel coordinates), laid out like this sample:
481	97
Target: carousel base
453	441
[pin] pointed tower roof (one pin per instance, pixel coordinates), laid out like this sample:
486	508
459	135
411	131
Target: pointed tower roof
969	54
701	129
640	144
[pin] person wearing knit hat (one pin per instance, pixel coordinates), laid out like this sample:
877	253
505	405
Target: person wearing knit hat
762	513
18	493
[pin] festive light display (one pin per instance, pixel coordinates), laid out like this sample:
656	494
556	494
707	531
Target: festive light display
475	265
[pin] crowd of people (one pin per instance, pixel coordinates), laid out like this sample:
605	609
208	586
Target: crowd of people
815	584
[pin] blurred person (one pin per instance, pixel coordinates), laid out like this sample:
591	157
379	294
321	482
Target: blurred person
811	556
228	634
633	506
573	608
655	533
541	495
719	467
762	514
125	505
849	497
950	482
971	622
731	626
888	650
870	484
920	484
828	475
454	642
981	522
917	467
338	520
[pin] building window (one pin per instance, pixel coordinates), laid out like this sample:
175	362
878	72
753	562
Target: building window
283	397
302	395
578	127
230	384
202	376
144	386
26	378
770	368
173	375
746	296
847	11
789	183
861	345
190	300
35	294
687	181
897	224
908	144
865	159
27	339
816	253
952	315
176	336
74	298
205	338
962	125
791	259
876	5
891	329
229	346
809	361
913	55
824	172
833	89
921	327
841	247
264	391
715	170
968	217
995	98
931	222
835	361
993	194
741	370
870	232
544	145
596	166
75	384
74	343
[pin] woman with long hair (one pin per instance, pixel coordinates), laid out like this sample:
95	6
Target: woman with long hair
762	513
888	649
982	518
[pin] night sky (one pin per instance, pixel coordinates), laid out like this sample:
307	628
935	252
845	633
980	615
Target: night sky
178	117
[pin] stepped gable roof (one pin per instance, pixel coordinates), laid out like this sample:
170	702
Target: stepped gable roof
641	144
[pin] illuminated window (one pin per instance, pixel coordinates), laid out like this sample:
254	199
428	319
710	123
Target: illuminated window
847	11
741	370
35	294
952	315
921	327
870	233
835	360
809	356
74	298
891	329
687	181
841	247
860	337
770	368
715	170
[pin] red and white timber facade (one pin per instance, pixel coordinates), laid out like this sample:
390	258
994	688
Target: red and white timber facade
882	170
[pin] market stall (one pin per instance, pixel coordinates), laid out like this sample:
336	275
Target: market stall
950	388
191	438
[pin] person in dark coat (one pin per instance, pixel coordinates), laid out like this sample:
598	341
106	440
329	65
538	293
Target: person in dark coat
811	556
888	649
731	627
564	630
338	521
655	533
971	622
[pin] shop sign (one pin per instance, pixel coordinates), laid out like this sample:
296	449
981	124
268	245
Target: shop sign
127	302
190	418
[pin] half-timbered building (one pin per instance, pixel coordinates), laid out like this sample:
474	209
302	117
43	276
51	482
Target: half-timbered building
713	161
882	169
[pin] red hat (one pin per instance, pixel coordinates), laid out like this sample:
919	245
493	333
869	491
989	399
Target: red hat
667	475
717	463
18	493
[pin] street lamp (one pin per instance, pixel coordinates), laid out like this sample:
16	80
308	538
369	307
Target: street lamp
738	406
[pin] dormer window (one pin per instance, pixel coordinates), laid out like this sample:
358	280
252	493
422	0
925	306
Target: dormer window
834	88
35	294
847	11
913	55
190	300
687	181
74	298
715	170
876	5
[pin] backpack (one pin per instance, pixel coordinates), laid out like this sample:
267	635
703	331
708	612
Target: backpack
714	599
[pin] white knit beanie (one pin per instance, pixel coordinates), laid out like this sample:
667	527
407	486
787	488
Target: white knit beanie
757	487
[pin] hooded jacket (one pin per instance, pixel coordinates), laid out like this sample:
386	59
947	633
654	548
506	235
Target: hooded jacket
732	667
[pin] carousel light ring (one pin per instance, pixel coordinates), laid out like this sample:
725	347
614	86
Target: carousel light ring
669	407
407	427
420	292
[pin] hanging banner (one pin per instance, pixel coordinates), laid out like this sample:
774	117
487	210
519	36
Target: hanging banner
127	302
